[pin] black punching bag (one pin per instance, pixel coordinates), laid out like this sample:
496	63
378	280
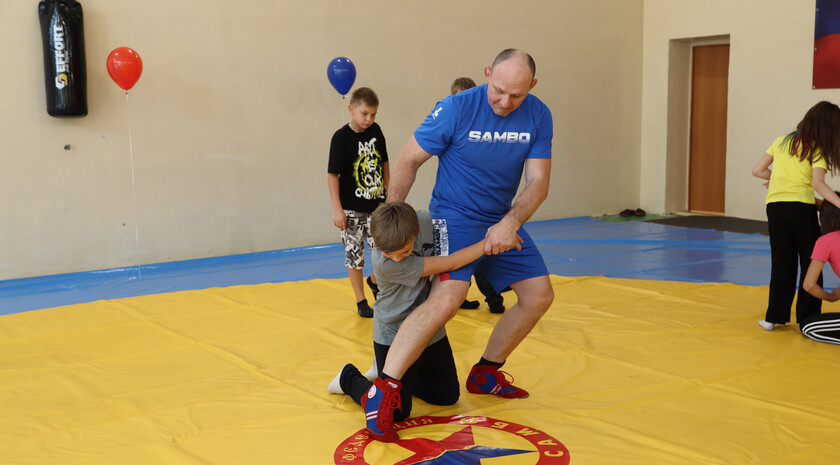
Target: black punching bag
63	36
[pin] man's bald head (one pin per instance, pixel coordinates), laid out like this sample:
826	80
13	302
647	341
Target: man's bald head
509	80
516	54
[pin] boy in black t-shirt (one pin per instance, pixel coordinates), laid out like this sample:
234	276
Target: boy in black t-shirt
358	178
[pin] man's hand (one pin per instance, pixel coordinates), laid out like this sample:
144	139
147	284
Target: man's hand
502	237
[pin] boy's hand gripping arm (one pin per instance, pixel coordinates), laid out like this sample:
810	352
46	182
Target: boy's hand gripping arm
437	265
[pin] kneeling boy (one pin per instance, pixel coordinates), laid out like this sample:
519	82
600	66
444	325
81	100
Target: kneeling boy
402	263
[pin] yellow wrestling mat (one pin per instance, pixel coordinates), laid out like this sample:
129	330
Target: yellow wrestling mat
620	372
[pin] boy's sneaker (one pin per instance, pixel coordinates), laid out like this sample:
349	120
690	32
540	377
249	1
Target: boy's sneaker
373	287
380	402
364	309
487	379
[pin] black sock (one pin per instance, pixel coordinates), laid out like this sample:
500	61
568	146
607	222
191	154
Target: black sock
349	371
484	361
386	377
360	302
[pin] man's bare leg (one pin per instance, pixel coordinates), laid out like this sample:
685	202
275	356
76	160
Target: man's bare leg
417	330
535	297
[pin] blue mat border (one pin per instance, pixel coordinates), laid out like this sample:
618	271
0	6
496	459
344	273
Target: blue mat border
579	246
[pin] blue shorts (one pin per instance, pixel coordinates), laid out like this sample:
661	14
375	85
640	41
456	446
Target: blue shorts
503	269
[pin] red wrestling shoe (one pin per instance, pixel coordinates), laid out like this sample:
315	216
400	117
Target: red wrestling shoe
487	379
380	402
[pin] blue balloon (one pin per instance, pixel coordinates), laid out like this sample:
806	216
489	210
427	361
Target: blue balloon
342	74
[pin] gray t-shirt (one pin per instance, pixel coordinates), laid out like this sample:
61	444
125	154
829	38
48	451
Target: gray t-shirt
401	285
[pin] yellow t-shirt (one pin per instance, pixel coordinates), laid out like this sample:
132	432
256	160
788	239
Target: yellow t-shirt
791	179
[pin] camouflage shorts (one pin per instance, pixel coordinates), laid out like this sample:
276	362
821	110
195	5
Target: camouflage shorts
354	235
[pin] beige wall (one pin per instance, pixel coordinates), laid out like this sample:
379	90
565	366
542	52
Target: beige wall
231	119
771	50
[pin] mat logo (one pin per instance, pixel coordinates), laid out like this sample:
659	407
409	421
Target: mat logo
503	137
457	443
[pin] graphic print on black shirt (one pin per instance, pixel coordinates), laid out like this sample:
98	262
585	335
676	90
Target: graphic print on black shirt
367	172
358	159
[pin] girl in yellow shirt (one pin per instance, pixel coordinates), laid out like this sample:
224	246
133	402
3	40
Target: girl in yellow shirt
800	160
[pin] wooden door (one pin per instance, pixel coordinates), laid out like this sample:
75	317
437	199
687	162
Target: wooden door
707	146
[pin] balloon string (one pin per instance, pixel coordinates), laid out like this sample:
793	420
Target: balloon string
133	187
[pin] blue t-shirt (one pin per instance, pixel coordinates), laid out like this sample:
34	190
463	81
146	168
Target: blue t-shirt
481	155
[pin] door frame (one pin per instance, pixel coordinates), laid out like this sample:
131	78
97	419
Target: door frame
680	59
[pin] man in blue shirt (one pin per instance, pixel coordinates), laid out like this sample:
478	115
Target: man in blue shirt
484	138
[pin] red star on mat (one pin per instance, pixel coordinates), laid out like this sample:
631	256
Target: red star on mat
425	449
458	448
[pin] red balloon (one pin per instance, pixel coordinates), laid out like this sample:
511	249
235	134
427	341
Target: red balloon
125	67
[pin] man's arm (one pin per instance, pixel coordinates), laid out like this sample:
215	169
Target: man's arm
405	170
502	237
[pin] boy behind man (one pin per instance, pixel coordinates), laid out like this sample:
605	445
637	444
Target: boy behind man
402	263
358	177
461	84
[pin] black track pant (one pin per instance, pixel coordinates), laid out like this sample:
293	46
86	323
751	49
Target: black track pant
492	297
824	327
793	230
432	378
